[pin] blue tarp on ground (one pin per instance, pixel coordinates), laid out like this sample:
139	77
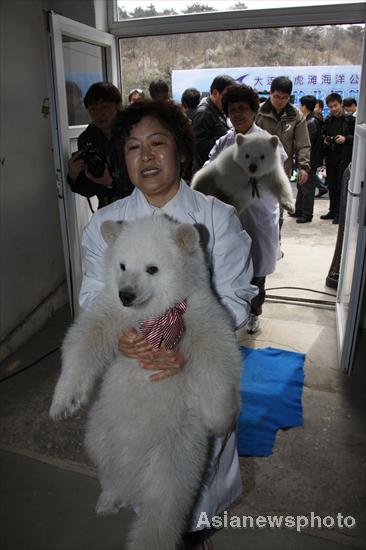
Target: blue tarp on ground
271	389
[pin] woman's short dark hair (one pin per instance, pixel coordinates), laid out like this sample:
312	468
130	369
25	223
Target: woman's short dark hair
168	113
281	84
240	92
320	102
102	91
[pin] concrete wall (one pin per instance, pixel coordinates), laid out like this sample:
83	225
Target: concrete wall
32	266
79	10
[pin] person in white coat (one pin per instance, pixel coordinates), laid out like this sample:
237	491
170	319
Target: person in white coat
157	140
261	220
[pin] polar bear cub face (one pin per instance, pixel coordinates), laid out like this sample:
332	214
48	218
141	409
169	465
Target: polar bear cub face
150	261
256	153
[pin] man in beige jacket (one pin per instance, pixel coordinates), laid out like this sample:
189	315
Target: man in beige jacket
280	118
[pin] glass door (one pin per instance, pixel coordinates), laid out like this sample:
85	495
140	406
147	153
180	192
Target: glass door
78	56
353	269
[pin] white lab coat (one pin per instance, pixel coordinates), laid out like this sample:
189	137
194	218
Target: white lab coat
261	219
231	267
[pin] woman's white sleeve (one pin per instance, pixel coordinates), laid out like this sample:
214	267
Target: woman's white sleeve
93	248
232	268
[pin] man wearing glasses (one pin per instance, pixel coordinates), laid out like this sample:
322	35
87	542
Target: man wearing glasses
280	118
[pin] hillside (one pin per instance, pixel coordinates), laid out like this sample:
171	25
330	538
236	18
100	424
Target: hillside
147	58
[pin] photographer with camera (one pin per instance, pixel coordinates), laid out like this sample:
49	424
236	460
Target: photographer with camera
96	168
338	132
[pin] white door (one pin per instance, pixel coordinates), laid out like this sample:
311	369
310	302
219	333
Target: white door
78	57
353	270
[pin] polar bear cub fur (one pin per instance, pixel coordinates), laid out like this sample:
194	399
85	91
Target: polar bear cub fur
150	440
243	169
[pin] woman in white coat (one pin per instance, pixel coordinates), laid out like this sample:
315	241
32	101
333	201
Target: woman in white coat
261	219
158	142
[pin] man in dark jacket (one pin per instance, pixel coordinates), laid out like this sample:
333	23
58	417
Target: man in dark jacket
209	121
103	102
338	132
306	191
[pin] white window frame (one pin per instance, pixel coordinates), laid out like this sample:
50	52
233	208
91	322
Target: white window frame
301	16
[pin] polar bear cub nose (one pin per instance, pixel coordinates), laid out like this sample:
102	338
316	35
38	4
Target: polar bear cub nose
252	168
127	297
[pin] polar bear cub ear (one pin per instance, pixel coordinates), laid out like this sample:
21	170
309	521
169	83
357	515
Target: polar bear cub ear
274	141
110	231
187	238
239	139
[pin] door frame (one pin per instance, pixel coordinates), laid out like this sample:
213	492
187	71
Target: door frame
347	328
58	26
349	321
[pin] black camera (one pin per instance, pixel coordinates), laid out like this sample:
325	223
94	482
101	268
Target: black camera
331	140
94	160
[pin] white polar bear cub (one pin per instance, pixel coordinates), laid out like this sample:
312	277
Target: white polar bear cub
150	440
241	170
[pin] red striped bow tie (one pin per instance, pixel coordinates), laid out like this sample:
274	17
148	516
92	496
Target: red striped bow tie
167	329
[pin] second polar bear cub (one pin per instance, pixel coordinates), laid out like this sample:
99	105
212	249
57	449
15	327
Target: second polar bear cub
240	171
150	440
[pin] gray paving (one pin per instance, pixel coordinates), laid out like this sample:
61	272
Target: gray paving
47	508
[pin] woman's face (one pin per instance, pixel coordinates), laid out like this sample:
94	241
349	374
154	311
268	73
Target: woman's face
152	161
241	116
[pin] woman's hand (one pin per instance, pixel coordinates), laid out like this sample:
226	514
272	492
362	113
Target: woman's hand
167	362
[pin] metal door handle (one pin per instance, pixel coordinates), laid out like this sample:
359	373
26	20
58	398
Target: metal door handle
352	193
355	194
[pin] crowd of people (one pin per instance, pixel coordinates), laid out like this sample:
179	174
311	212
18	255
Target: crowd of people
139	161
309	143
